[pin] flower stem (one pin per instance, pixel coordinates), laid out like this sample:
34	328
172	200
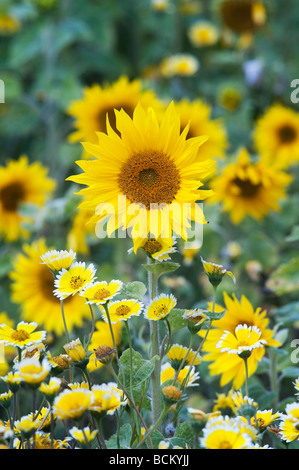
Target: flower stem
156	425
92	324
154	335
246	376
64	322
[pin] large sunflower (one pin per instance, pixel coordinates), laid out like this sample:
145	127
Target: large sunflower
151	170
99	102
198	114
231	366
246	188
32	288
243	16
21	182
276	136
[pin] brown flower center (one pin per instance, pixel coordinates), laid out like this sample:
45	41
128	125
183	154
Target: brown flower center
46	285
109	111
20	335
152	246
101	294
149	178
287	134
122	310
76	282
238	15
248	189
11	195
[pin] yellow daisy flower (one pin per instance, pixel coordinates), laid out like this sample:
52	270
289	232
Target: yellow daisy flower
32	371
26	426
32	288
242	342
264	418
22	336
158	249
184	65
73	280
155	171
203	33
50	389
102	291
224	403
42	440
99	103
215	272
75	350
246	188
107	398
276	136
72	404
225	433
168	373
13	380
160	5
56	260
178	353
21	182
289	424
83	436
197	114
160	307
102	337
231	366
122	310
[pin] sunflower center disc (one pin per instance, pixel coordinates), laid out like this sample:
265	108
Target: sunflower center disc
149	178
10	196
248	189
287	134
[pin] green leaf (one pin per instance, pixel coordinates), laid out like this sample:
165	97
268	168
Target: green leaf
124	440
135	290
141	368
176	320
156	437
185	432
294	235
291	372
161	268
285	279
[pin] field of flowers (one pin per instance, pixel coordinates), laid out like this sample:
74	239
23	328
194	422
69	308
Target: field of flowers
149	224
